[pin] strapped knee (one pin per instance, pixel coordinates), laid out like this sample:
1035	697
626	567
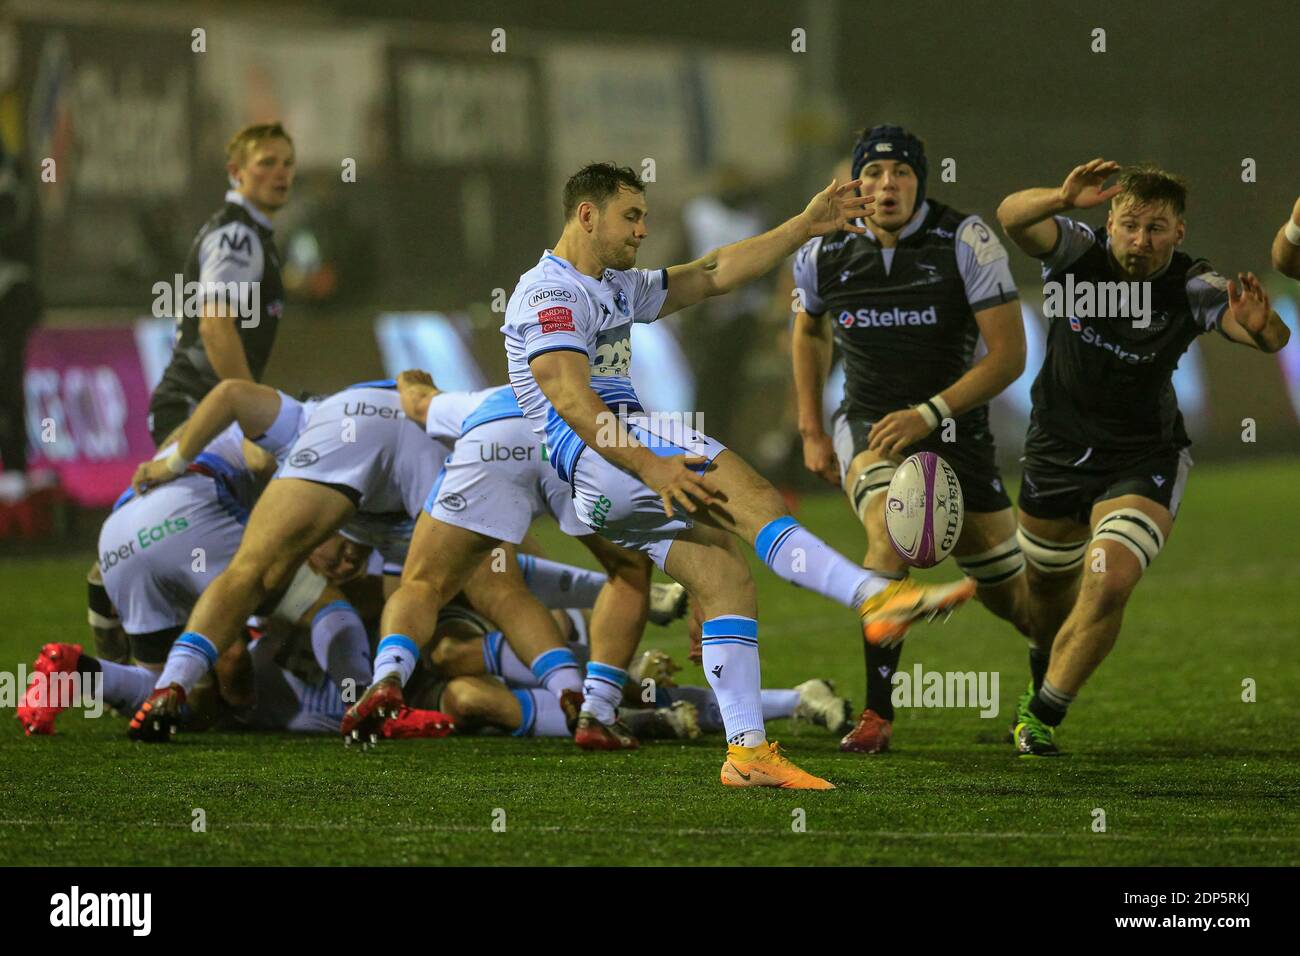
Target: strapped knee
1050	557
870	483
1135	530
996	565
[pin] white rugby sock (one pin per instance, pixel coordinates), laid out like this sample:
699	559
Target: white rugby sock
561	585
397	656
542	715
126	686
500	660
779	703
557	670
800	557
730	645
339	642
602	691
190	658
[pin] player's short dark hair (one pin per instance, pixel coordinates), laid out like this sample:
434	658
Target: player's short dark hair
598	183
1149	185
243	142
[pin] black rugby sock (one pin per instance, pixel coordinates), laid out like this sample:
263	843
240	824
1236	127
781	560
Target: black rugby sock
881	664
1038	661
1049	704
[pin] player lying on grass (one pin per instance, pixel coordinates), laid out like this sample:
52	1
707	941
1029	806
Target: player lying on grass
1286	245
660	486
491	488
159	551
352	462
1106	458
481	674
907	301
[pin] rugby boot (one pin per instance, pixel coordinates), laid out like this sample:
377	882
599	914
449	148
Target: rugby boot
38	709
591	734
888	613
819	704
667	603
159	716
871	735
411	723
364	720
1032	737
766	766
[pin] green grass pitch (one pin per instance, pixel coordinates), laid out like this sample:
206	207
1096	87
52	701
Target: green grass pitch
1161	741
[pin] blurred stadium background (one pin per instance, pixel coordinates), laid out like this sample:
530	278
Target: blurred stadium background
460	153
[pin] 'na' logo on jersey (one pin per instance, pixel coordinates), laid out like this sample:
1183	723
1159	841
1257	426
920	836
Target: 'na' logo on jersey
242	244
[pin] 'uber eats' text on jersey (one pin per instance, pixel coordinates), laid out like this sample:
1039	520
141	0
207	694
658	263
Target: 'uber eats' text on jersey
904	318
1105	384
235	246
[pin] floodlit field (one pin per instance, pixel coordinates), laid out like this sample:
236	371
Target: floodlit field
1162	742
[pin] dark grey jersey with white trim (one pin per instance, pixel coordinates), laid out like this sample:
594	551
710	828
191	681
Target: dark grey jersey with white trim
235	245
904	318
1106	384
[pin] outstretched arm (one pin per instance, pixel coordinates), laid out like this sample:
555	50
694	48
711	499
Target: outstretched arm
1026	216
1250	319
254	406
1286	245
730	267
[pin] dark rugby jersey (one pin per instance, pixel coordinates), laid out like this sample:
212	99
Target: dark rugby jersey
1105	384
905	317
235	245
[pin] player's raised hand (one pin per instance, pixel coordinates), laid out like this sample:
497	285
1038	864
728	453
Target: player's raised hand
1248	303
1085	186
835	207
819	457
673	480
150	474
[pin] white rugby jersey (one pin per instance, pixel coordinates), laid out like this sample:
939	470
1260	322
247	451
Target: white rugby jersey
556	307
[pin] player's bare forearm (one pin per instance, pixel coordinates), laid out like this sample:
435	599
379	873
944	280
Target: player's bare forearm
1026	218
1003	329
565	379
224	349
730	267
811	348
253	406
983	381
1273	337
1286	253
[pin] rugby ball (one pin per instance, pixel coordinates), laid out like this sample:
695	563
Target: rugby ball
923	510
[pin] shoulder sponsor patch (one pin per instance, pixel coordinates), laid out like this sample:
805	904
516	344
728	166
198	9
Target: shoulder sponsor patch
545	296
982	242
556	319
